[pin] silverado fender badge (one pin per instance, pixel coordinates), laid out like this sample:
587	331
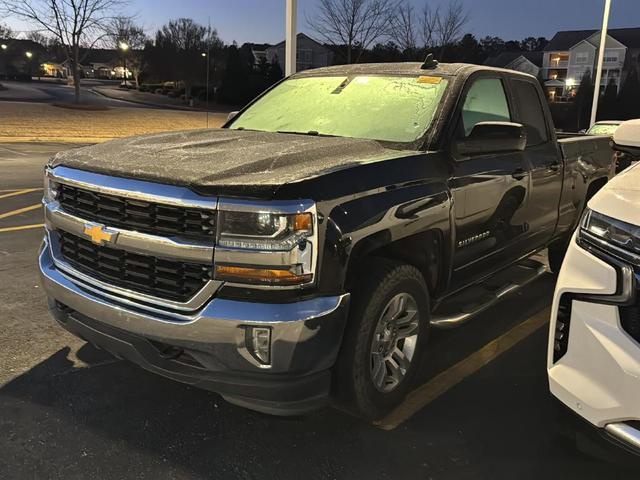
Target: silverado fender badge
474	239
99	233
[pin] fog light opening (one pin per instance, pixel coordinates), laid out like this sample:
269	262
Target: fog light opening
258	343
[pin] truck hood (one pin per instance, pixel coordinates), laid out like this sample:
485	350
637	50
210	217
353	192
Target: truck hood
248	161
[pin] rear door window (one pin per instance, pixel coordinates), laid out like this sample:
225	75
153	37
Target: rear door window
530	112
486	101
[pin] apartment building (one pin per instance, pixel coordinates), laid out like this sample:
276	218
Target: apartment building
571	54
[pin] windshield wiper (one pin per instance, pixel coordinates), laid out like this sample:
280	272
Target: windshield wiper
313	133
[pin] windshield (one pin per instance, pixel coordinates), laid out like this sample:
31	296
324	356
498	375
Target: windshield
603	129
388	108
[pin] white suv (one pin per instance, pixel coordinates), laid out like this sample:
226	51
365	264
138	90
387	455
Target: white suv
594	345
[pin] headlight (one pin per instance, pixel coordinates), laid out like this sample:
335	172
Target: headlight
51	189
615	232
266	244
263	230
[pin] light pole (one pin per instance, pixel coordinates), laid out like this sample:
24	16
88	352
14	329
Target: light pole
29	56
206	86
291	38
124	47
603	44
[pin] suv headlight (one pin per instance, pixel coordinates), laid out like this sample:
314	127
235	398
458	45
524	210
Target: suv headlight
273	243
615	232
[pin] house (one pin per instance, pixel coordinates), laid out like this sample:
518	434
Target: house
309	54
571	54
527	62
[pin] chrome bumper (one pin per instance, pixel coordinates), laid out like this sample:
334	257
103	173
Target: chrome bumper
306	335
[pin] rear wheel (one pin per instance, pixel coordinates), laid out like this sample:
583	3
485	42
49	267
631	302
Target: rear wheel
385	339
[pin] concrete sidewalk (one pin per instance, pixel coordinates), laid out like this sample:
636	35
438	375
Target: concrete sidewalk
157	100
22	121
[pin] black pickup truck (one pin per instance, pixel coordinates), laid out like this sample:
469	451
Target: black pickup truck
300	254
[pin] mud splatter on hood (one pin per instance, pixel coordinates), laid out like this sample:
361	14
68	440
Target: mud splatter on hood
204	159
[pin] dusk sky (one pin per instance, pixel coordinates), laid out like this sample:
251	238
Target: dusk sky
263	20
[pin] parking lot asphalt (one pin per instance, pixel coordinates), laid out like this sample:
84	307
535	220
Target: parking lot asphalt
68	410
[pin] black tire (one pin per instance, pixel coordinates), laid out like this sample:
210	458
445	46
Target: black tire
556	253
379	282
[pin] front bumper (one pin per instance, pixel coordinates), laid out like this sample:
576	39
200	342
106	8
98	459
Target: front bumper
207	348
599	375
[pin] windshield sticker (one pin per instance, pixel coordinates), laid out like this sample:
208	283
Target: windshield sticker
428	79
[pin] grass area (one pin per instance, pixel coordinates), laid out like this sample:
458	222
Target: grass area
40	122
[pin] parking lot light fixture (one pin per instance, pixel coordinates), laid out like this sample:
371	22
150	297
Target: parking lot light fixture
124	47
28	54
203	54
3	46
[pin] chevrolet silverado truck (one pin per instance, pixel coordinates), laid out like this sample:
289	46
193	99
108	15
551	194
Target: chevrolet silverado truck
300	255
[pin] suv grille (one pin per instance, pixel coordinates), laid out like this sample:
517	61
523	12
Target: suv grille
138	215
168	279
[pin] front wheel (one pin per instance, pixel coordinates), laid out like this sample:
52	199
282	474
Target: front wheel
385	339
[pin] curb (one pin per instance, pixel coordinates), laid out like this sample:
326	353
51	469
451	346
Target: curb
162	105
148	104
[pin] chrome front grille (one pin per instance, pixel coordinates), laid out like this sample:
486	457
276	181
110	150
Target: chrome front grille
137	214
160	253
167	279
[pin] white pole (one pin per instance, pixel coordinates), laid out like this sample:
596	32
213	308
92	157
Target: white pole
603	44
291	39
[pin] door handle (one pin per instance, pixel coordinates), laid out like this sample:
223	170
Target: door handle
553	166
519	173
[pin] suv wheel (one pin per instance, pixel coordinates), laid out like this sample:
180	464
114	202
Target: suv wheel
385	339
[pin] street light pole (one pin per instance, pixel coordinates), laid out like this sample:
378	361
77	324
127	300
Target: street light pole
603	44
124	47
291	38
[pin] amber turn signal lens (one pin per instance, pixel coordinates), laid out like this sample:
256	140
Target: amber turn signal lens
302	222
260	275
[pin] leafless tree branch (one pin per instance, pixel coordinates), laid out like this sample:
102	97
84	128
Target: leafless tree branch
72	23
352	24
403	28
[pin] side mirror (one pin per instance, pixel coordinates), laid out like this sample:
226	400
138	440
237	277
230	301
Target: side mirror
626	138
493	137
232	115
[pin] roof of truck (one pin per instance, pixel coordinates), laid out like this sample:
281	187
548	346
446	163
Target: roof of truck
403	68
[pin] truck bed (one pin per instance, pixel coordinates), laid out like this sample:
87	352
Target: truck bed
596	149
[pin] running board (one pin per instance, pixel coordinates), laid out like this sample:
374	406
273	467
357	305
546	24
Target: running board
469	303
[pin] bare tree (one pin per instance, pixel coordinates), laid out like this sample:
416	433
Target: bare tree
39	37
129	39
429	25
403	28
5	31
74	24
449	22
352	24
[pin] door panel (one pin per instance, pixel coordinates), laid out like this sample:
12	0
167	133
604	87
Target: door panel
490	192
545	162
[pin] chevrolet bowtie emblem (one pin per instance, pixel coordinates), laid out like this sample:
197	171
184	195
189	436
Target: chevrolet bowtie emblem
99	233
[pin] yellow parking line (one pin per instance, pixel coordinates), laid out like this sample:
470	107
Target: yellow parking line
20	210
21	227
449	378
19	192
